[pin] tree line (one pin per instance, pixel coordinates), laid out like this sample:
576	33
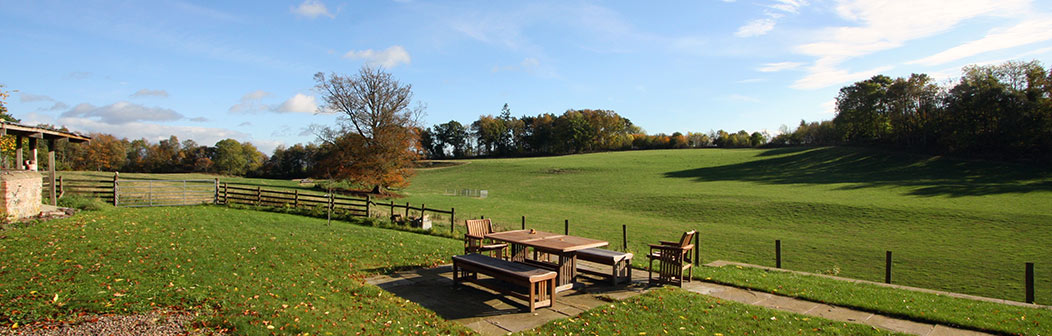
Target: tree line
1000	112
574	131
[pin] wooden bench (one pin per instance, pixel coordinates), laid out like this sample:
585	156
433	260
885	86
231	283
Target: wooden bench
540	283
621	263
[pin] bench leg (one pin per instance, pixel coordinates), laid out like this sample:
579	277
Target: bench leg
533	296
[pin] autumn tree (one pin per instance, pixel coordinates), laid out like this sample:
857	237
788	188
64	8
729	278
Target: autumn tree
375	140
103	153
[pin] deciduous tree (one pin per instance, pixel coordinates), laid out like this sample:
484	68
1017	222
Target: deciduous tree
375	141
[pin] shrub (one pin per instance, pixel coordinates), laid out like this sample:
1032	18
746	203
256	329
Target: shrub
82	203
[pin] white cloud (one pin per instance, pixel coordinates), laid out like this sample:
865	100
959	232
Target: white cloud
1027	32
821	76
150	93
29	97
312	9
387	58
121	113
887	25
780	66
300	103
250	102
755	28
788	6
829	107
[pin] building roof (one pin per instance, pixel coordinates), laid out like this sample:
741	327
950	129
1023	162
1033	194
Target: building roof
10	128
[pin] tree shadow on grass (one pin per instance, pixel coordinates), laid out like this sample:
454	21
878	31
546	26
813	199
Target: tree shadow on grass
865	168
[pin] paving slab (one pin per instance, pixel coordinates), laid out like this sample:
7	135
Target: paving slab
902	326
787	304
839	313
520	322
486	328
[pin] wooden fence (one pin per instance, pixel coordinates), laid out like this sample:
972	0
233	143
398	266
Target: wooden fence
119	192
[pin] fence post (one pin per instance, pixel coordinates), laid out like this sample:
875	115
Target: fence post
624	238
61	191
116	189
1029	282
422	208
368	199
226	194
259	196
452	219
296	198
406	210
887	267
697	249
566	227
392	209
215	199
778	254
524	222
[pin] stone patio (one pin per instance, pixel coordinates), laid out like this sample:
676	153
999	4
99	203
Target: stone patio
491	313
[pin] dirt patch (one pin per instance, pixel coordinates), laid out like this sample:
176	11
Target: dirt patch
152	323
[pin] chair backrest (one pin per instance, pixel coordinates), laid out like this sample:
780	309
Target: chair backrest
687	238
479	227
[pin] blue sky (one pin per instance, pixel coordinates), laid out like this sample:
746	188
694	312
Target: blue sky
213	70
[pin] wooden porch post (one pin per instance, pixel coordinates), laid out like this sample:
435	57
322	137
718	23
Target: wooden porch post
19	165
51	169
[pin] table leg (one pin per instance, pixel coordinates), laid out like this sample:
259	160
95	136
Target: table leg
518	252
567	271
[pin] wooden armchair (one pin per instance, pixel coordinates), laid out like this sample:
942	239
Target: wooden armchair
475	239
673	259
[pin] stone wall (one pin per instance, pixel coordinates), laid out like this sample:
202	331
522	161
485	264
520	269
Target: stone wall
21	193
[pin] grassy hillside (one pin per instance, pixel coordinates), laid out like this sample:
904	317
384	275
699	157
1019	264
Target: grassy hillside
953	225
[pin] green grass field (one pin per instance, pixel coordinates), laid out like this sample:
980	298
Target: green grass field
960	226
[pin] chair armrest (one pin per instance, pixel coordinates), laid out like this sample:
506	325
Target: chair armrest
665	242
468	236
671	247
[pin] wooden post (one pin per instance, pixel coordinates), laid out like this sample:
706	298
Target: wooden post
566	227
215	198
19	164
406	210
624	238
778	254
887	267
422	208
226	194
296	198
524	222
116	188
259	196
392	209
33	154
452	219
61	191
368	200
697	249
1029	282
51	169
482	217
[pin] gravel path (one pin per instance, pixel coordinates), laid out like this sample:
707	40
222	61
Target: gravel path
153	323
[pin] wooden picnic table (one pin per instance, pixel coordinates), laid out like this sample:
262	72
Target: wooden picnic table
562	246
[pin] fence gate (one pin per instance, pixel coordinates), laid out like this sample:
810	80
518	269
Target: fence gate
147	193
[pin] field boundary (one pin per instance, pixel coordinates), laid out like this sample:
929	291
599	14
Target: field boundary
721	263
